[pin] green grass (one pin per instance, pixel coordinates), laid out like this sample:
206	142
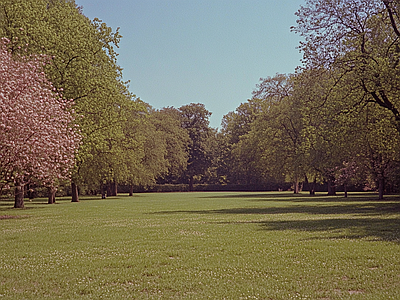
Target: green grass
202	246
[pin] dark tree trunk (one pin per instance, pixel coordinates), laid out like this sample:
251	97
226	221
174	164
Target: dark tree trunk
345	190
115	188
19	196
112	188
75	194
331	188
312	186
52	195
381	187
295	187
191	184
109	190
131	190
30	192
103	191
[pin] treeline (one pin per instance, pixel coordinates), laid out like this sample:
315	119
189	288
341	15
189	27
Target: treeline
68	117
336	120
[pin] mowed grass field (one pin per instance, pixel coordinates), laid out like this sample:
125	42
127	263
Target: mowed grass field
202	246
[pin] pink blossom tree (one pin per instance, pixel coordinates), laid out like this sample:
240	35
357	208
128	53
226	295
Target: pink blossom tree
38	138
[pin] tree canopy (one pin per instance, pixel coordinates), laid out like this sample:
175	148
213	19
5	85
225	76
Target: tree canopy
334	121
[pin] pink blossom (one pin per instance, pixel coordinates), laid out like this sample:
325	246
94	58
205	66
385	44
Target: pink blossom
37	133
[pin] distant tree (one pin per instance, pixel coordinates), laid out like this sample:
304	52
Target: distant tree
194	118
328	131
345	175
236	166
37	135
378	147
153	162
167	121
278	130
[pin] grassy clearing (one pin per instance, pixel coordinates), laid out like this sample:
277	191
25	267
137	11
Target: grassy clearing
202	246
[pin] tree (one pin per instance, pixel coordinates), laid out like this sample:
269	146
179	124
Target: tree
194	118
238	166
37	137
328	134
379	147
84	65
153	149
360	40
358	43
278	130
167	121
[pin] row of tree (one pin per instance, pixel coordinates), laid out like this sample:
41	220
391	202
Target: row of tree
337	119
67	114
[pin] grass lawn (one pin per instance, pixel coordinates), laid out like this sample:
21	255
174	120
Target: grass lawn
202	246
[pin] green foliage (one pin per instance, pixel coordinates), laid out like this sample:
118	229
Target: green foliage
202	245
340	107
237	162
194	118
84	68
167	121
353	49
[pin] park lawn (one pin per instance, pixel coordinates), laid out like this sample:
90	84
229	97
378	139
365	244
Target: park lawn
202	246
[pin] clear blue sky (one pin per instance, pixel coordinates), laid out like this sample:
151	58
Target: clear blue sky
177	52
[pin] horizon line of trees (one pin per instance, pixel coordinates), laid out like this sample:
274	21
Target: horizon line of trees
336	119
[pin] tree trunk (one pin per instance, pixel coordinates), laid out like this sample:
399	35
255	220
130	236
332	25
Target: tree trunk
381	187
109	192
313	185
52	195
296	185
103	190
75	195
345	190
191	184
131	190
331	188
30	192
19	196
112	188
115	188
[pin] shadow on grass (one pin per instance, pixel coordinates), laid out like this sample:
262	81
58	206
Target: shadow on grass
357	228
291	197
10	206
373	208
376	220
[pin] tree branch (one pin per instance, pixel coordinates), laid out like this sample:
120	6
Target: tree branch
392	21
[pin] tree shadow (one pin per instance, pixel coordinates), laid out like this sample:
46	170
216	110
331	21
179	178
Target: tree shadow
356	228
375	220
303	197
373	208
9	217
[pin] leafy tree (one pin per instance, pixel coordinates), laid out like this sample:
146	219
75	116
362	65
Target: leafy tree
84	66
236	166
194	118
326	130
378	147
357	43
279	130
167	121
360	40
37	137
152	163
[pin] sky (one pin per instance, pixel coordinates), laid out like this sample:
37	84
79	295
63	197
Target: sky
177	52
